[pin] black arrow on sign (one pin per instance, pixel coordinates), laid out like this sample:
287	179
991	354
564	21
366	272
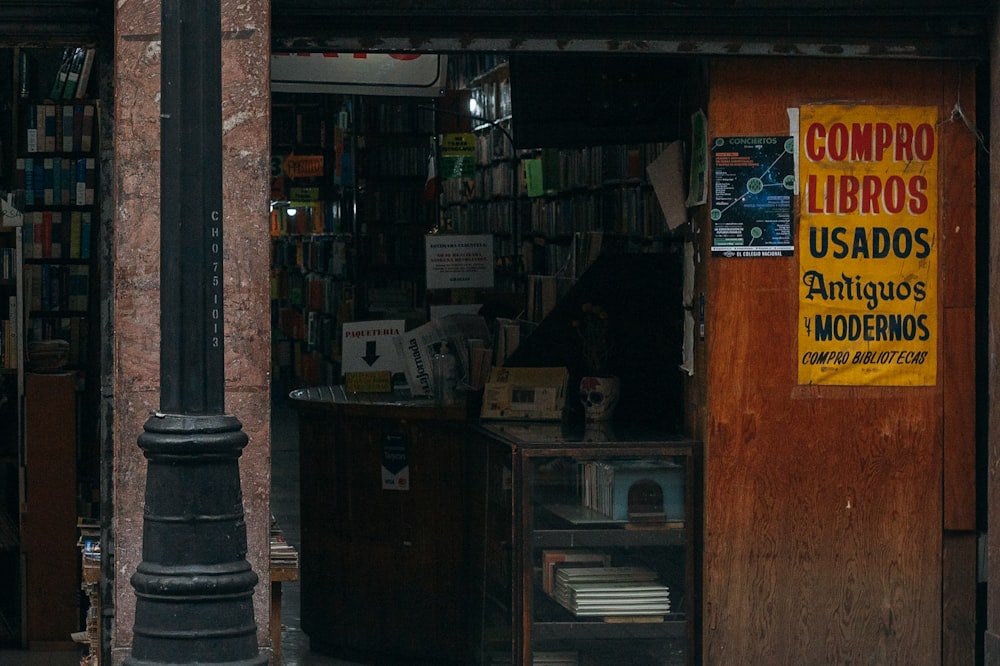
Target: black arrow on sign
370	356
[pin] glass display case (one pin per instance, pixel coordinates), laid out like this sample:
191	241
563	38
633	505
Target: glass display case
589	545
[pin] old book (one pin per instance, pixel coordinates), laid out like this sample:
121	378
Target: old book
73	76
88	65
552	560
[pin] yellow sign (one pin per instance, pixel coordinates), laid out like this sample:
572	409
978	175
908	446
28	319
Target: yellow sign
868	239
461	144
379	381
458	155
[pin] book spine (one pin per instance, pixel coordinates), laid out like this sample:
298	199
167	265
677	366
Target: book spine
76	226
85	231
48	182
55	235
77	288
87	128
84	82
49	111
46	234
38	171
31	135
66	176
62	74
57	184
90	181
68	125
73	78
78	110
19	175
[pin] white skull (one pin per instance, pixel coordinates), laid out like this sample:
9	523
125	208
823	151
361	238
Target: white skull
599	396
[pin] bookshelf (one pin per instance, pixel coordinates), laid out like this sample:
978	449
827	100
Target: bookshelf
50	360
396	137
56	168
358	251
11	388
348	218
551	208
312	236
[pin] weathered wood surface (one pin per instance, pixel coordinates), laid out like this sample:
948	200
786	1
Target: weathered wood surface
823	511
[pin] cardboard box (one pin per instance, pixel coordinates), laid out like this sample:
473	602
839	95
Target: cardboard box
525	393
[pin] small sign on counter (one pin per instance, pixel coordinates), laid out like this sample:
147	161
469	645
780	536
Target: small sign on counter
379	381
395	461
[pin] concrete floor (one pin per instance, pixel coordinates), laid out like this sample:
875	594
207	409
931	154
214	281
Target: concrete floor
285	506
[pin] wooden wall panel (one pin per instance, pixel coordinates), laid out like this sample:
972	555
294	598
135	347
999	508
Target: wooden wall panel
48	520
959	142
823	505
959	639
957	370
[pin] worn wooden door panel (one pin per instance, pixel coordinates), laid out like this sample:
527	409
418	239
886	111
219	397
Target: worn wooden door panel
823	505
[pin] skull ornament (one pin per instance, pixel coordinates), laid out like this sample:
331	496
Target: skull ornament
599	396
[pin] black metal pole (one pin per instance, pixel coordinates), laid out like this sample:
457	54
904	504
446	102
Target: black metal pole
194	587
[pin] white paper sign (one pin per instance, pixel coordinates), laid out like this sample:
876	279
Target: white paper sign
367	346
411	74
457	261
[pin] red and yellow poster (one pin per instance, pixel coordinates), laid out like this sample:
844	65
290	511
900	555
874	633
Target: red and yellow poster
868	239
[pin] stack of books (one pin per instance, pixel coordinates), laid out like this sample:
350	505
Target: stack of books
282	552
611	592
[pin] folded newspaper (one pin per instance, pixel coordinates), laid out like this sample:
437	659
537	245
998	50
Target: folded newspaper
416	348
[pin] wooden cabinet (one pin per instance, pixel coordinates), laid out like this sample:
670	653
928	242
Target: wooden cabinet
48	520
555	506
382	505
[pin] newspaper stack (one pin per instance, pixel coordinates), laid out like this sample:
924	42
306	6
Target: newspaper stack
611	591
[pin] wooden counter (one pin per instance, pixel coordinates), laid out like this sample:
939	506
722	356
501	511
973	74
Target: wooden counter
382	564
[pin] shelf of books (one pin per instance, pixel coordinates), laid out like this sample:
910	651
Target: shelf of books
396	207
10	279
57	171
11	386
349	212
550	211
48	230
312	239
